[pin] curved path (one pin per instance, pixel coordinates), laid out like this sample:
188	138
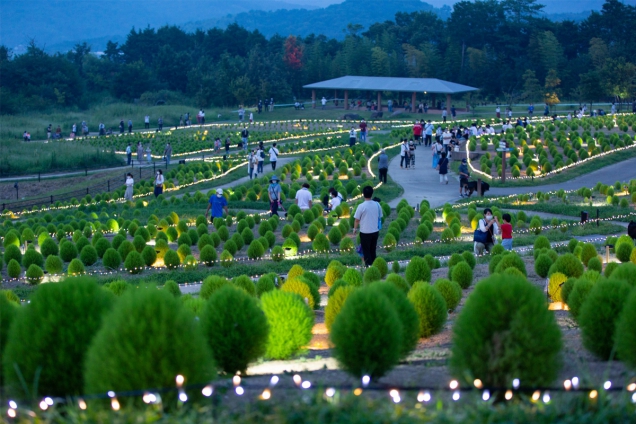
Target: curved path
422	182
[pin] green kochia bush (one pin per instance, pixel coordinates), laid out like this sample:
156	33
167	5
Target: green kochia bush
578	295
542	265
451	291
123	355
235	328
505	332
290	320
54	264
111	259
365	345
462	273
50	337
335	304
430	307
511	260
625	334
568	265
417	270
8	313
599	315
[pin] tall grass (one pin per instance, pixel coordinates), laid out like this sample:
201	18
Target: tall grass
19	158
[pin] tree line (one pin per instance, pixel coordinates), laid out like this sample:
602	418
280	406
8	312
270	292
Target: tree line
503	47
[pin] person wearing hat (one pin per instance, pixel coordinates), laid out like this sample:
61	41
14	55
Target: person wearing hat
463	176
218	204
274	192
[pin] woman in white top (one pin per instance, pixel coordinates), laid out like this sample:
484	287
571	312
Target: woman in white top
490	226
159	180
128	195
253	162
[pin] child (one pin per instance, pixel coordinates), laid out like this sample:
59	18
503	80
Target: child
506	232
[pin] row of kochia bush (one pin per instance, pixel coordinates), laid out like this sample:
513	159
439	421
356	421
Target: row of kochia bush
109	344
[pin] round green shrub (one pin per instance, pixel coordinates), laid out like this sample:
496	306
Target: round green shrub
567	264
430	307
506	322
455	259
542	242
346	245
599	315
417	270
578	295
406	313
462	274
511	260
320	243
451	291
542	265
101	246
118	287
76	267
183	251
223	233
610	268
134	263
566	289
208	255
398	282
335	270
244	282
49	247
32	257
623	252
371	274
111	259
74	308
235	328
171	259
382	266
226	259
88	255
353	277
8	312
230	246
211	284
625	335
34	274
302	289
255	250
335	236
588	252
625	272
389	242
290	320
469	257
68	251
123	354
54	265
125	248
172	287
364	345
149	255
335	304
265	284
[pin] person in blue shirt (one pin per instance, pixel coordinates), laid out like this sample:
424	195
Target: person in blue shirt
218	204
530	109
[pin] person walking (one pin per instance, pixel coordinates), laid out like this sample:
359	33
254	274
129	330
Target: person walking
404	148
498	112
148	154
260	155
121	126
463	177
130	126
273	156
352	137
363	131
417	132
140	152
323	101
227	146
245	134
167	152
368	218
252	163
147	122
218	204
274	193
428	129
160	124
383	165
437	149
128	195
453	112
446	139
159	180
442	166
444	114
506	231
304	197
129	154
241	113
49	130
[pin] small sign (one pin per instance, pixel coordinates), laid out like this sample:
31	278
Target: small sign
510	149
502	145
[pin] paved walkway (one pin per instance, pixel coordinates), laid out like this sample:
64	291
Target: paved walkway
622	171
422	182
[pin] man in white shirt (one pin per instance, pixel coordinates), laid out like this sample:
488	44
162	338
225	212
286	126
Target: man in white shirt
368	218
323	102
352	137
304	197
147	122
273	156
428	128
446	139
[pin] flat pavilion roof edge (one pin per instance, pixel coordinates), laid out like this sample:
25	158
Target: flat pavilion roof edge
409	85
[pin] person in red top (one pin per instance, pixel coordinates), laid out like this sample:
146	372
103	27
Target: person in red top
506	232
363	131
417	132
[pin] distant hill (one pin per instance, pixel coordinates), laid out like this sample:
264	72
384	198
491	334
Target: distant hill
330	21
59	24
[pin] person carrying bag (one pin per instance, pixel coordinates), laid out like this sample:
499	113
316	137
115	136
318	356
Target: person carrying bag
484	236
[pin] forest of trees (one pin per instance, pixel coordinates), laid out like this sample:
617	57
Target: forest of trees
502	47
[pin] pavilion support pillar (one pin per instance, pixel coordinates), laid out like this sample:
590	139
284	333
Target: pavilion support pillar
448	104
335	97
413	100
379	101
346	100
434	101
313	99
